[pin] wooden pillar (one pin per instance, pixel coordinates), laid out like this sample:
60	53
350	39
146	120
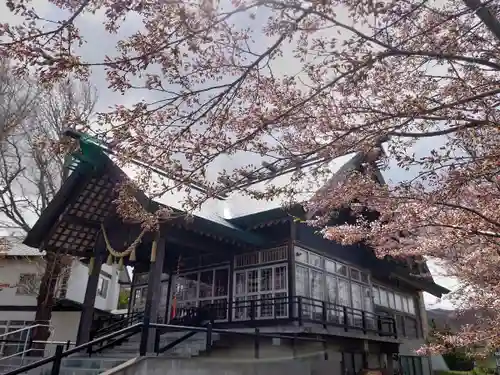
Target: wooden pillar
169	296
291	269
153	296
230	295
87	316
131	297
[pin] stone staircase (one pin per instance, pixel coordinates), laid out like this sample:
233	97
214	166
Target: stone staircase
81	364
70	366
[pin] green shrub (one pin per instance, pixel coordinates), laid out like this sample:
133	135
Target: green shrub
443	372
483	371
458	361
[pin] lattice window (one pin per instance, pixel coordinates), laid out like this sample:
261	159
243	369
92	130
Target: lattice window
274	255
69	236
247	259
93	203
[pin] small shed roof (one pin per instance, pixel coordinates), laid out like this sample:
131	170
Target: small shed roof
16	248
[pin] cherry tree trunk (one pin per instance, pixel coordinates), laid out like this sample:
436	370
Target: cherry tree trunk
45	301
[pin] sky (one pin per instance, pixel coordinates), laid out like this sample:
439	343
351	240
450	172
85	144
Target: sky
101	44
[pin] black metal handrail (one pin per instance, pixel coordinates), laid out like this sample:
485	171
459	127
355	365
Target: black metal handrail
113	338
303	309
60	353
209	330
116	322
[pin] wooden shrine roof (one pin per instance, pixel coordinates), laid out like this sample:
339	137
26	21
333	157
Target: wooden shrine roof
72	221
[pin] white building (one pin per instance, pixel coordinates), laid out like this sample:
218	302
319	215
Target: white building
21	269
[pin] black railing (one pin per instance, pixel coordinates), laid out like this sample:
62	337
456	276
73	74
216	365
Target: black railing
117	337
278	308
56	359
209	330
105	325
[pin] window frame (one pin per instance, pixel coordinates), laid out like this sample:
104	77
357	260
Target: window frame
22	289
346	277
408	304
103	287
242	297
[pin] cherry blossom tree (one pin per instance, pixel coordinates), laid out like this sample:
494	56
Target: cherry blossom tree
295	81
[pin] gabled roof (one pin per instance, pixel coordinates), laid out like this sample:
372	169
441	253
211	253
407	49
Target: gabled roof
218	215
214	218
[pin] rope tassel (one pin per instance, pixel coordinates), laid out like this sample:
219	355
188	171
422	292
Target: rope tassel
119	255
120	265
132	256
91	265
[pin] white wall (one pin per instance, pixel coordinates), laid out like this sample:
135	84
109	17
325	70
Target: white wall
65	325
77	286
10	270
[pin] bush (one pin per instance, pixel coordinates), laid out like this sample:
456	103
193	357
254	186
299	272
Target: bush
458	361
443	372
483	371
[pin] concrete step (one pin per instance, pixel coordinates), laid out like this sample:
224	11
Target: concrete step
73	365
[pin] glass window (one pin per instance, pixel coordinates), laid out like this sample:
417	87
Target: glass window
364	277
357	300
252	281
315	260
102	287
331	289
399	302
206	284
266	279
187	286
390	296
376	295
384	298
302	281
28	285
405	304
368	305
411	306
240	283
329	266
281	307
355	275
341	269
344	292
280	279
221	282
300	254
316	284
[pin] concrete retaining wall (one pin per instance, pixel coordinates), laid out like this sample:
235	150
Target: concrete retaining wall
206	366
